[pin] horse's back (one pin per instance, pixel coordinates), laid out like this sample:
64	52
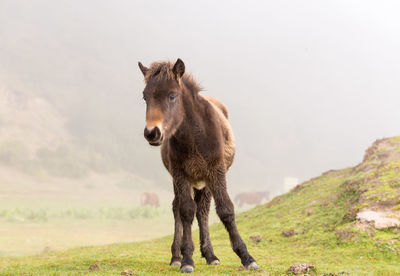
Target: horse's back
218	104
229	140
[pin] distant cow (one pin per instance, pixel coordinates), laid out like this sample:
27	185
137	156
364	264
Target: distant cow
149	199
251	198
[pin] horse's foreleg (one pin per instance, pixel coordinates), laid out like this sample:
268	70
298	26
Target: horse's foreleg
203	201
226	213
187	209
176	244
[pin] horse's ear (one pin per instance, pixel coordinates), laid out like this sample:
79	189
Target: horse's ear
179	68
143	68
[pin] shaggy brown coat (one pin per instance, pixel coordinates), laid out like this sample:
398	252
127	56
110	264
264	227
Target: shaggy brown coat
197	148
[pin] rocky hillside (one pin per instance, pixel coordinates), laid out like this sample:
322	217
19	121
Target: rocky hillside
378	184
344	222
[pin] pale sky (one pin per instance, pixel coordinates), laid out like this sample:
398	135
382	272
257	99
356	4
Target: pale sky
309	84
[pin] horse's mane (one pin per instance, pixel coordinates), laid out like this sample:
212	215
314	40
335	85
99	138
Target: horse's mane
163	71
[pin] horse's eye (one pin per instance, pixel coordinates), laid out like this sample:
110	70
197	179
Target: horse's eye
172	96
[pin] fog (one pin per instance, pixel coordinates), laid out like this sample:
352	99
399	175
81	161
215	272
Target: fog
309	86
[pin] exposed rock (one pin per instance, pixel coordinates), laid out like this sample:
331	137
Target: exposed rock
380	219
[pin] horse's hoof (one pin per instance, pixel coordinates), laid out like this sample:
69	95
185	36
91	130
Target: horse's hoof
252	266
215	262
187	269
176	263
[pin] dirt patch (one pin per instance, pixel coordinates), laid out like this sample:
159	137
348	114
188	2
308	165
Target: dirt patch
349	195
366	228
339	273
301	269
346	235
299	187
330	172
94	267
290	232
273	202
352	231
128	272
256	238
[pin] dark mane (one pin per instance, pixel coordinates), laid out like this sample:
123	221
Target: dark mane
160	71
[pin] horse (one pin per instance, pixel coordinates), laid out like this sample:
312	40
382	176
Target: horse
251	198
197	149
149	199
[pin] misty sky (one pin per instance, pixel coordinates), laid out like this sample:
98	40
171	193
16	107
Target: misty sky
309	84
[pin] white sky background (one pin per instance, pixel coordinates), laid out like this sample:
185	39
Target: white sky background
309	84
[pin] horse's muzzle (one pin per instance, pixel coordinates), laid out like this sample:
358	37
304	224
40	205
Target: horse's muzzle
153	136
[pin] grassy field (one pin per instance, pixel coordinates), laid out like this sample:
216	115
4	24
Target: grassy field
39	214
319	214
32	237
32	231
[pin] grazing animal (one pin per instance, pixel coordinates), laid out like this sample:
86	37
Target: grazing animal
254	198
149	199
197	149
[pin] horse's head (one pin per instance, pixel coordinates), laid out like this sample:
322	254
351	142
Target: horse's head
163	96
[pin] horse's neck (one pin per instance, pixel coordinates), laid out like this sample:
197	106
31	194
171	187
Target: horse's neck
186	129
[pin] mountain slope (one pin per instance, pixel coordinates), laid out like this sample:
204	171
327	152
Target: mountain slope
314	223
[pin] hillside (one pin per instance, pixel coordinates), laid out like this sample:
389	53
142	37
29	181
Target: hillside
315	223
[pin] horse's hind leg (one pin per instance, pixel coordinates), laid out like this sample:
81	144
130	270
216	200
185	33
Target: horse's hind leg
203	201
225	211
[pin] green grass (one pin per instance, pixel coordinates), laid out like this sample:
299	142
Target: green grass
46	214
321	211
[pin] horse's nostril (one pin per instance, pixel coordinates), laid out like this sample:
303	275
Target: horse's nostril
153	134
